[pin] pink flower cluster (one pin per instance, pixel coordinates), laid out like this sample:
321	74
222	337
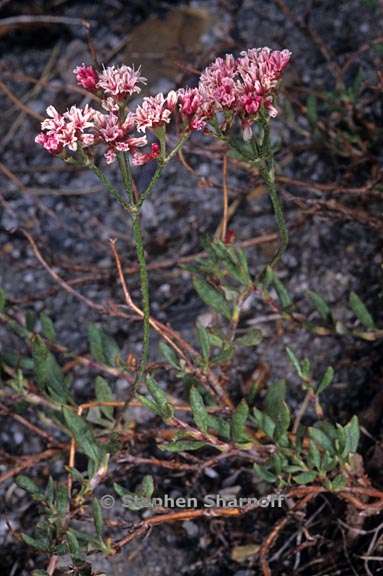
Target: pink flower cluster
234	86
66	130
113	84
87	127
156	111
115	128
238	86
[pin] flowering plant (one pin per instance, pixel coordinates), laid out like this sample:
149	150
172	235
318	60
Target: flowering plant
230	90
234	102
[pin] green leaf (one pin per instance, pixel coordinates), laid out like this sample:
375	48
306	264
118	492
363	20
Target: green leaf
220	426
253	337
312	111
3	300
279	463
264	474
85	538
328	462
215	340
361	312
244	267
204	341
149	404
282	293
30	320
352	432
321	439
326	379
83	435
47	327
264	422
211	296
238	422
275	395
339	482
50	491
61	499
224	356
104	394
200	414
48	373
120	490
73	543
268	277
38	543
236	264
146	487
97	517
111	350
96	343
28	485
159	398
320	304
39	573
183	445
18	382
226	257
103	347
278	410
305	477
169	354
328	429
294	362
313	456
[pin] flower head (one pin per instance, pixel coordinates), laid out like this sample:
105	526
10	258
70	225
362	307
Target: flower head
66	130
116	134
194	108
50	142
80	118
217	82
86	77
262	67
155	111
120	82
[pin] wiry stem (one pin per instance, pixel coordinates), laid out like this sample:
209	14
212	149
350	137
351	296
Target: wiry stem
144	281
268	174
126	175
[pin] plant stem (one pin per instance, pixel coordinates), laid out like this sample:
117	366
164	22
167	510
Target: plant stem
140	252
225	200
126	175
268	175
144	281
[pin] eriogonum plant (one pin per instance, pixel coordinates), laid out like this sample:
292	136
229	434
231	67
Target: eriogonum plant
231	92
234	102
